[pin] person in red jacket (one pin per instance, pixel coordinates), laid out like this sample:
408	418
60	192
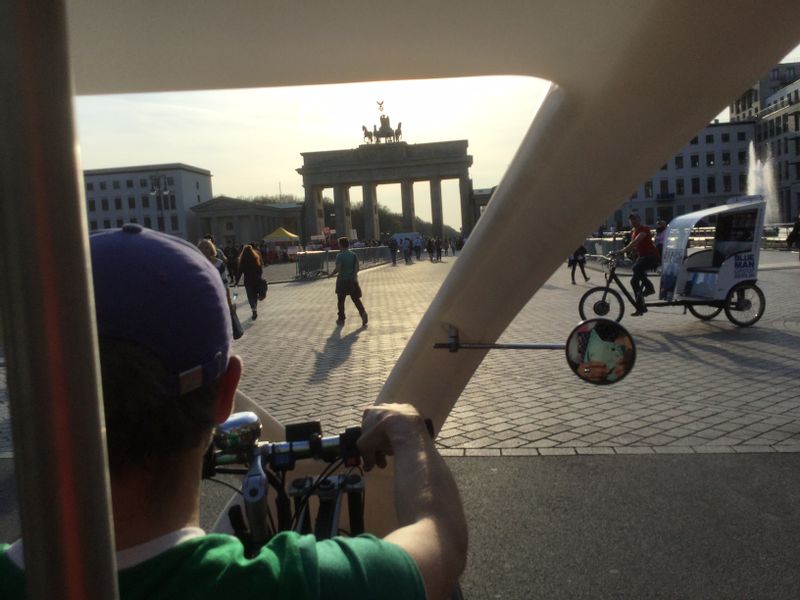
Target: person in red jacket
647	259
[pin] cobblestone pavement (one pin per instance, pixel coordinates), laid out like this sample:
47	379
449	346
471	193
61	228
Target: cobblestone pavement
698	387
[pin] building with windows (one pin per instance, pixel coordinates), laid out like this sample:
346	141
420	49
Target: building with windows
713	166
156	196
233	221
706	172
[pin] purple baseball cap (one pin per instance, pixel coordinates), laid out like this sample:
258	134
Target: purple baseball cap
160	292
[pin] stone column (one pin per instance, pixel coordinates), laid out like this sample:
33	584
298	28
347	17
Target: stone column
467	212
407	195
372	228
341	205
436	208
314	215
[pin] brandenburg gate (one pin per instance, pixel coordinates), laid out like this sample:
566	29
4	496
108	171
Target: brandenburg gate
373	164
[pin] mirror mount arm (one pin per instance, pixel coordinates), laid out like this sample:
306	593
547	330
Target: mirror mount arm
454	344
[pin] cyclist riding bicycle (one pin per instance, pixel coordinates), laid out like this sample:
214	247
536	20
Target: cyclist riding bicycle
647	259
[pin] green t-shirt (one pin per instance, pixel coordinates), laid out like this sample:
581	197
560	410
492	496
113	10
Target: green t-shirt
290	567
347	263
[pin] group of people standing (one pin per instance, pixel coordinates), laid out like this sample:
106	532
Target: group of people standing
412	248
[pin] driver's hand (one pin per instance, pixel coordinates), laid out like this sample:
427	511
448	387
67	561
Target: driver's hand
387	427
593	371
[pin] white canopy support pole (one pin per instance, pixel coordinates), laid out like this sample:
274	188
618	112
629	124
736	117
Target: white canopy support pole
48	315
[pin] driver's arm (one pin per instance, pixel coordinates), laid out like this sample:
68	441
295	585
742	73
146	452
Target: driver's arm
433	530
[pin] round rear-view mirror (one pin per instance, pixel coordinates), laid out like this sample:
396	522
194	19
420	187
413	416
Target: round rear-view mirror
601	351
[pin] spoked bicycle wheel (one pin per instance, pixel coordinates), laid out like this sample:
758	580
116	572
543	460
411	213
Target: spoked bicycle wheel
601	302
744	305
704	312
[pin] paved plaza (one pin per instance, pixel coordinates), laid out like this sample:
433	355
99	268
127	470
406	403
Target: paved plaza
697	387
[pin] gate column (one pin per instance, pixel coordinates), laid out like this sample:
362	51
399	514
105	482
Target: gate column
467	214
372	230
341	204
313	212
407	195
436	208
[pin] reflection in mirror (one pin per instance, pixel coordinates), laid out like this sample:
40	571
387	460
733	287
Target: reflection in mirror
601	351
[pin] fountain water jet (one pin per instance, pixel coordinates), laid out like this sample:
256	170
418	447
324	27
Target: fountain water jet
761	182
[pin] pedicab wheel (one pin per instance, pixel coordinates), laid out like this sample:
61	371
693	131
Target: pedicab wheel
704	312
601	302
744	304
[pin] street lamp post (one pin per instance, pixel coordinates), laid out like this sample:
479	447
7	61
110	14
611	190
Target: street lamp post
159	190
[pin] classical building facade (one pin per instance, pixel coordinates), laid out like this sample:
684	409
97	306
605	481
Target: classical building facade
371	165
156	196
235	221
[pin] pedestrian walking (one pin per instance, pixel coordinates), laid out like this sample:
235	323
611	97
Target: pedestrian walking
793	239
661	233
346	271
418	247
393	250
578	259
429	248
251	268
438	245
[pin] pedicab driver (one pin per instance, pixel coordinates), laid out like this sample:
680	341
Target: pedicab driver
647	259
168	376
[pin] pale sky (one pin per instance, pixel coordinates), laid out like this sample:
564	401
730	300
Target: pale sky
251	140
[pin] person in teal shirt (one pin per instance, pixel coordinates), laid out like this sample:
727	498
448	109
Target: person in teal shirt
168	376
346	271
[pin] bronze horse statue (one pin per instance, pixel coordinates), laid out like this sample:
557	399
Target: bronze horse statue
367	134
385	132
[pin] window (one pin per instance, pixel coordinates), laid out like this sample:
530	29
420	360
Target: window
92	225
119	222
663	187
726	183
104	203
147	222
115	185
710	159
145	201
695	185
228	225
726	159
198	198
711	184
740	136
695	160
131	202
102	185
197	185
710	138
726	137
90	187
161	223
694	141
742	157
679	189
106	224
172	202
170	181
695	207
133	220
648	215
174	222
158	203
129	183
648	189
92	206
679	162
118	203
742	182
143	182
